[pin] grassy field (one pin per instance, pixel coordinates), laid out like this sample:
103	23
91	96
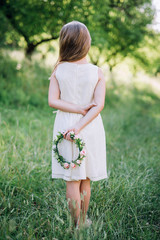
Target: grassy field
33	206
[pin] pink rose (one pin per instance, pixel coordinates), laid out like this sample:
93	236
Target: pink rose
76	136
78	161
83	152
73	165
66	165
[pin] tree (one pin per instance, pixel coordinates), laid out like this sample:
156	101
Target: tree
116	26
41	21
120	27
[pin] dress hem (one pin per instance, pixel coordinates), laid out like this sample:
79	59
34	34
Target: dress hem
75	179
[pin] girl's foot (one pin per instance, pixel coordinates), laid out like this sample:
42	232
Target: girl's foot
87	223
78	224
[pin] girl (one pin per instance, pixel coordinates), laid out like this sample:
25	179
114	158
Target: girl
77	90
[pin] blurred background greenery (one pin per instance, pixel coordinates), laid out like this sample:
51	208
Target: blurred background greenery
126	45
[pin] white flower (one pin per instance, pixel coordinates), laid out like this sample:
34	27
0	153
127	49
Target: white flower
71	132
55	138
78	161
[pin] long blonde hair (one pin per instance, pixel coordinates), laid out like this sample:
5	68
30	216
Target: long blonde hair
74	42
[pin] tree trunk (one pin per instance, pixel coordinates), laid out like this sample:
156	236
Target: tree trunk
112	75
29	50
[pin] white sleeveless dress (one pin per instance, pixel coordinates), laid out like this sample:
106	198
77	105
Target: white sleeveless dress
77	83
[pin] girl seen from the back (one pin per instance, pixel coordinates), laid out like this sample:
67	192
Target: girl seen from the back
77	90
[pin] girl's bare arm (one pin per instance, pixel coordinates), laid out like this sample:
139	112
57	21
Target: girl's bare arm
54	100
99	99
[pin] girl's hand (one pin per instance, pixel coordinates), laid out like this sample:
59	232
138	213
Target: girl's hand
87	107
75	129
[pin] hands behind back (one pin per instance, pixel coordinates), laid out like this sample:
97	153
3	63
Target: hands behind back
75	128
87	107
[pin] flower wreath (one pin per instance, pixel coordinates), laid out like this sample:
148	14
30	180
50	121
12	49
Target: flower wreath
78	141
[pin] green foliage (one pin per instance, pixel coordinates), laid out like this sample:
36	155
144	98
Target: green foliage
22	83
8	36
120	27
40	21
147	56
117	27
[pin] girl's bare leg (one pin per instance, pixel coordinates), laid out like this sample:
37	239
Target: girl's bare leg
85	191
73	198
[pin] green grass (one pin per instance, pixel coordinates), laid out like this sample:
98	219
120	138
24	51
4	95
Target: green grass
126	206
